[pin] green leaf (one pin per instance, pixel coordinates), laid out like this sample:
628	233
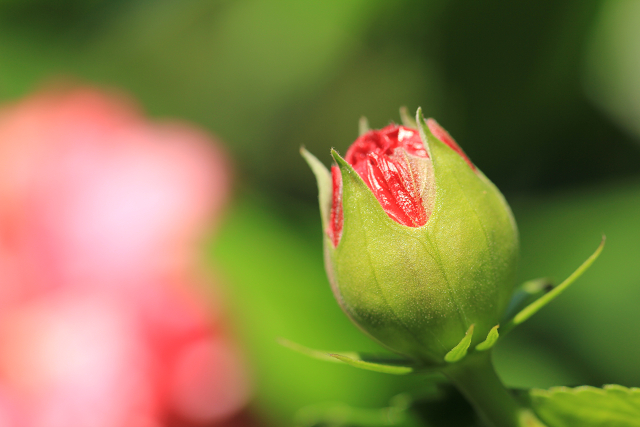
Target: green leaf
371	366
611	406
460	351
325	184
532	308
388	364
363	125
406	118
492	337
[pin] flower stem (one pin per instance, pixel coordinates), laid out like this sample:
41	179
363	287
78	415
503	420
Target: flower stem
477	380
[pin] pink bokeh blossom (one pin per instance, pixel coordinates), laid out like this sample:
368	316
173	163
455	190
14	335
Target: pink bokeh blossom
103	319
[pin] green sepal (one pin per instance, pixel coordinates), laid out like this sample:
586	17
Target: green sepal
485	235
325	185
358	362
585	406
363	125
458	352
365	221
525	294
358	201
388	364
492	338
406	118
316	354
532	308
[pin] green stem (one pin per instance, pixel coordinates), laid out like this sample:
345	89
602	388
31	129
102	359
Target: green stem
477	380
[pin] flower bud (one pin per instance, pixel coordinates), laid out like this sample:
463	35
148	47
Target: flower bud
419	244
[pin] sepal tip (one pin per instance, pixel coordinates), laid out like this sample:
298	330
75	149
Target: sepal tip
325	186
406	118
363	126
388	364
492	338
458	352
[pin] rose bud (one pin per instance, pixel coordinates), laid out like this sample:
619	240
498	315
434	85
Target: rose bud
419	245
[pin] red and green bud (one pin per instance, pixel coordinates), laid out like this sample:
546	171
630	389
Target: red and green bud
419	244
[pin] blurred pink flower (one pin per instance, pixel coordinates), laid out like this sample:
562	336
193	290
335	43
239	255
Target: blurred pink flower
102	318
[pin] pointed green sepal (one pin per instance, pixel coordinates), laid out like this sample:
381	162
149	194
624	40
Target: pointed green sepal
389	364
372	366
532	308
492	338
525	294
358	202
458	352
467	205
363	125
316	354
366	270
325	185
425	134
406	118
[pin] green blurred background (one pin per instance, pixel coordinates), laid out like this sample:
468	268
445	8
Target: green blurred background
544	97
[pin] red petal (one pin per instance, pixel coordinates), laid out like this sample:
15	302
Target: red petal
379	157
397	194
